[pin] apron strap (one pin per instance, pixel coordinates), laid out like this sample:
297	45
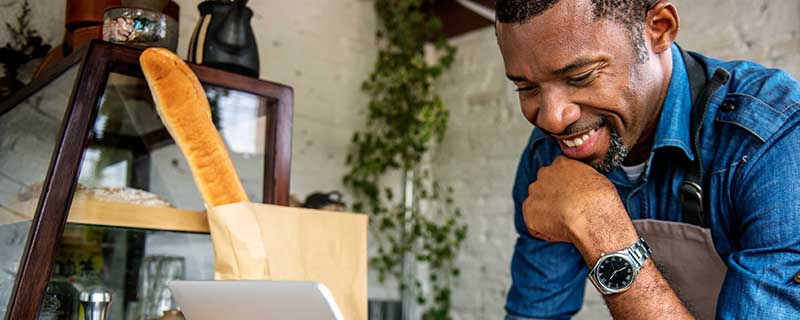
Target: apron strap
702	89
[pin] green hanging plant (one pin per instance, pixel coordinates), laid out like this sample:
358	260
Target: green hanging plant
405	117
26	45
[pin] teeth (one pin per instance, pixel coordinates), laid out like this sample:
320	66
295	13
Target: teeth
577	142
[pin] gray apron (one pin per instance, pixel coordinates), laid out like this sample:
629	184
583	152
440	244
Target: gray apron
684	251
686	257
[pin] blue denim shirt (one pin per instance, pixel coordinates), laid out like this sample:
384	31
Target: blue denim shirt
751	159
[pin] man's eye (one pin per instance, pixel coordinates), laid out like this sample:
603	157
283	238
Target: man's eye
583	79
528	89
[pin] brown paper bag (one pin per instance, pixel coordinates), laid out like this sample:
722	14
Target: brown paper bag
259	241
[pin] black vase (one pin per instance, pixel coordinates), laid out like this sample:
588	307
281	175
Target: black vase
223	38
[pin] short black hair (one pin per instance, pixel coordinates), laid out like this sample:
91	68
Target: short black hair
630	13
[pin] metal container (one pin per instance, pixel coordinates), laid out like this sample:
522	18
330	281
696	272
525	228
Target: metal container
95	302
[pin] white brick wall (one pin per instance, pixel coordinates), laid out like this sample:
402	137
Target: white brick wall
487	132
324	49
47	19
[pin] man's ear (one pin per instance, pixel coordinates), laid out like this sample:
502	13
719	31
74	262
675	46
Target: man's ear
662	25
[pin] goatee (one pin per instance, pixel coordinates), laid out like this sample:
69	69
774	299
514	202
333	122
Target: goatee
616	153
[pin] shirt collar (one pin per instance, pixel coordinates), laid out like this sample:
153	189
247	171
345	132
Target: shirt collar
673	123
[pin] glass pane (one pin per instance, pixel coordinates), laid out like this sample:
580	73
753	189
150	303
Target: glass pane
131	147
28	135
132	264
131	159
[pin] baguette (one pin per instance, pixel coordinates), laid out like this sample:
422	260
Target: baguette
183	107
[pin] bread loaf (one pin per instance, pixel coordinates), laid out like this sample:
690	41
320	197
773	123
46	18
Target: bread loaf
183	107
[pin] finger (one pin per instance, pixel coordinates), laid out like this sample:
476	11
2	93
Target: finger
563	161
539	235
526	205
543	172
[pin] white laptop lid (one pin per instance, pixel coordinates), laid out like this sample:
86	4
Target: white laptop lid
251	299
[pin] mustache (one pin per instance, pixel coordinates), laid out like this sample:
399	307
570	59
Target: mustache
580	127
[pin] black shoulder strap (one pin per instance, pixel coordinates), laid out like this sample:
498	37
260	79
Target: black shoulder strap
702	89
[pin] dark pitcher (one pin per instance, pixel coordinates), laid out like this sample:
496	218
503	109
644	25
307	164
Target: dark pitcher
224	39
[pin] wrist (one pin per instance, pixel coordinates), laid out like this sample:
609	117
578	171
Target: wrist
626	262
603	231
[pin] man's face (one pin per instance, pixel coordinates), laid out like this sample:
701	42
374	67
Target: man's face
579	81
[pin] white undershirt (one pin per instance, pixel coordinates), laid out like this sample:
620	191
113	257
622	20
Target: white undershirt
633	172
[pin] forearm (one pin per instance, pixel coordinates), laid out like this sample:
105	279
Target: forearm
650	296
572	202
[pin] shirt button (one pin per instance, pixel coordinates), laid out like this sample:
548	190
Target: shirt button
797	278
727	106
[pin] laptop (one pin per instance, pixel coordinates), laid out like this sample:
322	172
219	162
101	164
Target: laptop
254	299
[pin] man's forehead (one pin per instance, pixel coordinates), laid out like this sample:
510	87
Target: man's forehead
564	23
561	13
555	38
545	34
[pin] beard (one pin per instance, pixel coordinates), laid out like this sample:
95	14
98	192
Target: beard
616	154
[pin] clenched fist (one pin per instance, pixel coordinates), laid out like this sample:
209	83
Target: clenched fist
571	200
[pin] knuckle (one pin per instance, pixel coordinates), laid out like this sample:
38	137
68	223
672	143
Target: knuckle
530	226
542	172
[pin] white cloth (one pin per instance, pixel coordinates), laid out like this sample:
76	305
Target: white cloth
634	172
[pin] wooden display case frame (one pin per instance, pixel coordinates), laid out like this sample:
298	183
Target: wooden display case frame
98	60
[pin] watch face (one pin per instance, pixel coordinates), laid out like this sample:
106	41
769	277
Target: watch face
615	273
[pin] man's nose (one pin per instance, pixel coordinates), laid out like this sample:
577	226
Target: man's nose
556	112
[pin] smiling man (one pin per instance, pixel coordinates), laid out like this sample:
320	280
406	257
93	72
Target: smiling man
666	177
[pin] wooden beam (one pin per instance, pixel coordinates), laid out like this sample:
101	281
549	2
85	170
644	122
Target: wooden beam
457	19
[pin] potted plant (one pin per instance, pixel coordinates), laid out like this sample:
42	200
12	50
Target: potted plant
26	45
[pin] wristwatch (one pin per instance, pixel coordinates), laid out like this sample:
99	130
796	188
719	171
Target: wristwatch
615	272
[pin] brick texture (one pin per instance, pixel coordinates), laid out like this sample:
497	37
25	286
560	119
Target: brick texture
325	49
487	133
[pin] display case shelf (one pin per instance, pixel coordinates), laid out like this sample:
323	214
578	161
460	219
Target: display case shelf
118	214
91	119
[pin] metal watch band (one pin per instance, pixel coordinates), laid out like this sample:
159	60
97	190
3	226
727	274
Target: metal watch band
639	251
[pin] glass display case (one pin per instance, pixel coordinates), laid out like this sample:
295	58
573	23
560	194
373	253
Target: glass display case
95	195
